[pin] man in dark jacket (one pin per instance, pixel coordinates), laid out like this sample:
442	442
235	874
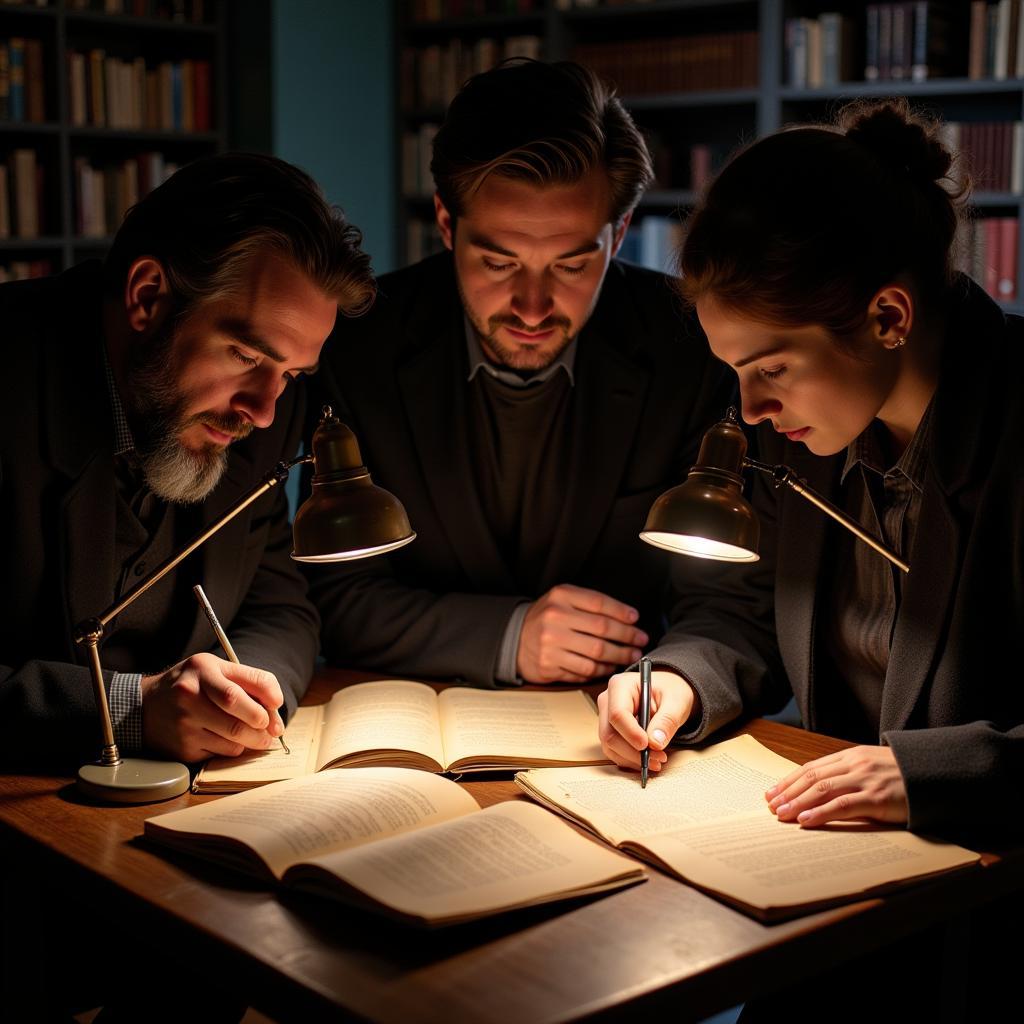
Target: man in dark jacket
139	400
526	396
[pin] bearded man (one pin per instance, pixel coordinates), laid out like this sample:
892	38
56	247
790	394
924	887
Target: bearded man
527	395
140	399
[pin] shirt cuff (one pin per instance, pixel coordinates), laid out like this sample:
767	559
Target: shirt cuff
125	699
508	652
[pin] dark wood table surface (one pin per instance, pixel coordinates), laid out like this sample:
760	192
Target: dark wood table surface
657	947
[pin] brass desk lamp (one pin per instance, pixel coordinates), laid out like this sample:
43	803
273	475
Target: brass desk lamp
345	518
707	515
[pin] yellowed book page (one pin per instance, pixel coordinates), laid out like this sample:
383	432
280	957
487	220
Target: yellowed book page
291	821
695	786
393	714
228	774
767	863
705	817
512	854
523	727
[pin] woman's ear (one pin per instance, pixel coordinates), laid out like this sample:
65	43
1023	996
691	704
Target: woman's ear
891	315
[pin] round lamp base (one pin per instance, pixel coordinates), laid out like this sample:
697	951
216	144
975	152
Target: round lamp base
135	780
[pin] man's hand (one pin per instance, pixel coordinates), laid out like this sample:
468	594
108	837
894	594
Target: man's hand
861	782
573	635
205	706
622	739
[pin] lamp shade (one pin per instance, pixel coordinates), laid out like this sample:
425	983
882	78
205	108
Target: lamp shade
346	517
707	515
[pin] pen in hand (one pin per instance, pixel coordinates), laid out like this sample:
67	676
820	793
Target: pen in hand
645	716
223	637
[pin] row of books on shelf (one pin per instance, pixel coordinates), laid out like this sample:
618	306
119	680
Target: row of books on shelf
994	153
131	94
988	253
22	96
417	148
653	242
996	48
431	75
22	210
188	11
436	10
685	167
104	194
421	239
721	60
908	41
22	270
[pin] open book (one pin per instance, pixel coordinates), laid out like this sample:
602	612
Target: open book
407	842
408	725
704	818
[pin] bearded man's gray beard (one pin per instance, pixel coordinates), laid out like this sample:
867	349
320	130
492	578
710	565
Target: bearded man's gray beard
179	475
156	405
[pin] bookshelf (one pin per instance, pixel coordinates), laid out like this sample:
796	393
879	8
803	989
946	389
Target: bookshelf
119	93
782	62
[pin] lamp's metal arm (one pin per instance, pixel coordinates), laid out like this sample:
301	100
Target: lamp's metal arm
783	475
90	632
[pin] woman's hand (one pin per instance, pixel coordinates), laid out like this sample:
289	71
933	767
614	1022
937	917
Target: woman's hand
622	739
861	782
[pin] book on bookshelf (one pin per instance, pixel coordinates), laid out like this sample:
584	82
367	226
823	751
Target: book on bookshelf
988	252
996	41
25	176
819	52
406	843
908	41
104	194
703	818
431	75
708	61
22	270
994	152
133	95
405	724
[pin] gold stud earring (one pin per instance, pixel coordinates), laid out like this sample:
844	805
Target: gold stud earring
900	341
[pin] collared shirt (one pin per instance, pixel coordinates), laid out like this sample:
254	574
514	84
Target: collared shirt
505	669
125	692
478	361
867	588
124	443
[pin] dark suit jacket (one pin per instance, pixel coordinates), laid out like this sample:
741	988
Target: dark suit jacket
953	705
645	387
57	513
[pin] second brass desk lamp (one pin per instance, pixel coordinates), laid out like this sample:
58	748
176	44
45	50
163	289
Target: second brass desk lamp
707	515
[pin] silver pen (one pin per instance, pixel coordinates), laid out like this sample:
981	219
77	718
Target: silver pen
223	637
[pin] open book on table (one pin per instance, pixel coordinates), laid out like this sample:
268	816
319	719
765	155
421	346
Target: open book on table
409	843
409	725
704	818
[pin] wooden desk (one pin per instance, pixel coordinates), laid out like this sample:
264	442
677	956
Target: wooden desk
657	947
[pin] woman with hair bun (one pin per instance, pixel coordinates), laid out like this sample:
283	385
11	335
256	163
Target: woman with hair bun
821	265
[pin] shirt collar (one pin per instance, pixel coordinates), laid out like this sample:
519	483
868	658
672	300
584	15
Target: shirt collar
866	449
124	443
478	361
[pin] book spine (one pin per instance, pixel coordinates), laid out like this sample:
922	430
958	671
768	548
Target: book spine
26	204
885	41
5	82
978	43
16	101
35	83
1001	43
1007	262
871	43
1017	159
